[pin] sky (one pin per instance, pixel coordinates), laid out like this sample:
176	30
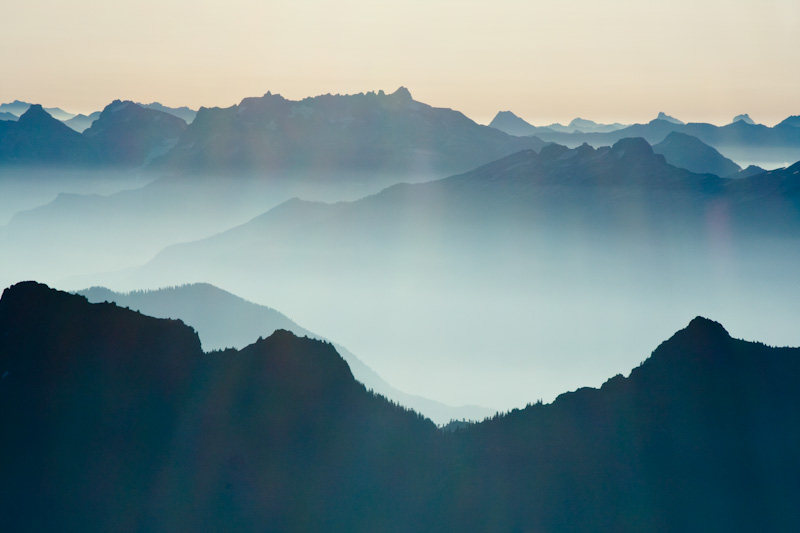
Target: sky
623	60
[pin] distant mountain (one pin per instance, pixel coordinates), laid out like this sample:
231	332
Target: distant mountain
181	112
223	320
363	133
740	141
744	118
508	122
38	138
18	108
127	134
8	116
513	125
691	153
590	126
664	116
121	422
80	123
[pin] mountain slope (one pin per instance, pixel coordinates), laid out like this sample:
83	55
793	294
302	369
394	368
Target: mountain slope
508	122
685	151
223	320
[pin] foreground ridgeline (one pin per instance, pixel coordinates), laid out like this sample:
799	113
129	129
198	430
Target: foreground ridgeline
115	421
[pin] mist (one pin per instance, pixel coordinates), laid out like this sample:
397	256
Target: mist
510	284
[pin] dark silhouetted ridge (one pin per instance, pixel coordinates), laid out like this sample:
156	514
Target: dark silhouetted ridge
120	422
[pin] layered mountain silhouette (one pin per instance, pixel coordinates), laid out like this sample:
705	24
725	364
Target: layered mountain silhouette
373	132
515	235
223	320
740	140
81	123
19	108
685	151
363	134
4	115
121	422
38	138
513	125
124	135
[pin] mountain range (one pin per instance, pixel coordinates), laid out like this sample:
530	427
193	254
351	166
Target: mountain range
124	135
510	123
372	132
121	422
741	140
331	134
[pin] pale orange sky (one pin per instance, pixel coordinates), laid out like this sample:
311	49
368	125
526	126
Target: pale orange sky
626	60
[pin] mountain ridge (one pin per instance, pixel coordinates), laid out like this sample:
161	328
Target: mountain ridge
122	422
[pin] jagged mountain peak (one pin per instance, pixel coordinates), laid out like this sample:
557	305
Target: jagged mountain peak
402	93
743	118
668	118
